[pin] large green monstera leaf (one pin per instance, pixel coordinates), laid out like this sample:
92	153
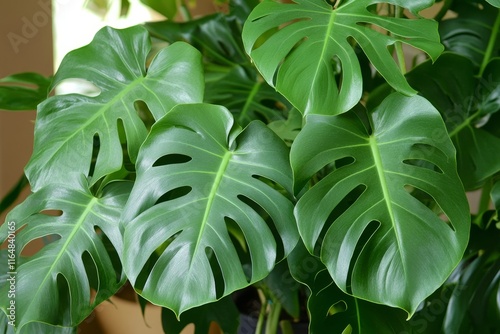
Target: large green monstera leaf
376	237
204	189
115	62
297	47
63	282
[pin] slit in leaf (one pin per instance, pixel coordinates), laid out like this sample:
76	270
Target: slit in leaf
174	194
280	249
240	243
426	199
92	275
172	159
362	241
339	209
423	164
217	272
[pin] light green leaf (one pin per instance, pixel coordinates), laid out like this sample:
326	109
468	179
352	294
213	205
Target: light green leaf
378	241
115	62
495	3
198	177
296	46
56	285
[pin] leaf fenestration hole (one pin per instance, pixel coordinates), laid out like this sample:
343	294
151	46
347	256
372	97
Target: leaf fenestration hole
142	110
96	146
174	194
143	276
112	253
172	159
423	164
92	275
338	307
369	230
338	210
64	300
37	244
278	187
217	272
428	200
280	249
240	243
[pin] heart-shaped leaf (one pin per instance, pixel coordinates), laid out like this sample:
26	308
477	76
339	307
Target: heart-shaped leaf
57	284
295	47
199	177
115	62
378	240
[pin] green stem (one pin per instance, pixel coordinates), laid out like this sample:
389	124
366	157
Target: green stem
491	44
274	317
398	12
262	313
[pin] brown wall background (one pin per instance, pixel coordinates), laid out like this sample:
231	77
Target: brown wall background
25	46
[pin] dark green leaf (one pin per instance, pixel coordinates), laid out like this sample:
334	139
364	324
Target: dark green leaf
13	194
378	241
473	306
17	91
167	8
115	62
223	312
54	286
198	176
469	33
332	311
296	47
246	97
465	103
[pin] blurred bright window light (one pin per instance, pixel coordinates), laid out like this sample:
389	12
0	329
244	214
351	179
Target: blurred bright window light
75	22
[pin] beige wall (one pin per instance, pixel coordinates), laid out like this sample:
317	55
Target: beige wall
25	45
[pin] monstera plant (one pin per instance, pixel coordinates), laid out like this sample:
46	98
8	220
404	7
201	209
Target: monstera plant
307	158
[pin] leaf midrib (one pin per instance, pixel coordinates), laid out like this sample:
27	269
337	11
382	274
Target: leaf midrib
76	228
96	115
377	159
211	197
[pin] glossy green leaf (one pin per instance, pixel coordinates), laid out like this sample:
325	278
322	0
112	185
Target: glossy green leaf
56	285
34	328
198	177
23	91
495	3
115	62
296	46
222	312
466	104
469	33
378	241
332	311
